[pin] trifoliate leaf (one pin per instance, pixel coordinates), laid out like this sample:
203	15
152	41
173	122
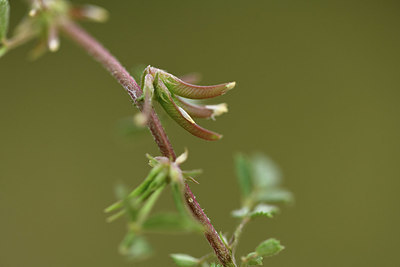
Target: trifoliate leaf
135	247
269	247
264	210
243	173
4	17
184	260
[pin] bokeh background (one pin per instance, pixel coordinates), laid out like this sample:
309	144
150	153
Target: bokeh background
318	91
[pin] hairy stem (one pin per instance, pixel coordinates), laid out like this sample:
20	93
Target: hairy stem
236	235
104	57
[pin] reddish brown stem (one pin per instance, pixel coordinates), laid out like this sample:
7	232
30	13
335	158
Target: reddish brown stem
104	57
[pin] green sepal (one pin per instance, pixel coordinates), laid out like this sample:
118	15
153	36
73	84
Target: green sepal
137	191
145	210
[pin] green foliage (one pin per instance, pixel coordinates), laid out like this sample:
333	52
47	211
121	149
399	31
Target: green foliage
184	260
260	181
244	175
269	248
138	204
4	18
172	222
260	210
135	247
253	259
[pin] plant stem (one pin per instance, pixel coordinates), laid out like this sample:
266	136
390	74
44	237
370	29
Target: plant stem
236	235
105	58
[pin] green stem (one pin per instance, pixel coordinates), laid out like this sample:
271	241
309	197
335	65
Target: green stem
236	235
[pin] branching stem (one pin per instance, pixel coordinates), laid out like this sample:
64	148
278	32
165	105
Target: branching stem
104	57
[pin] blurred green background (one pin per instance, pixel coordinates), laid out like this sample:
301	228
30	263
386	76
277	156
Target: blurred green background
318	91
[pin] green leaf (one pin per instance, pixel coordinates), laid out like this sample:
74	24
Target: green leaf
243	173
253	259
274	195
170	222
243	212
135	247
269	247
4	18
264	210
266	174
216	265
260	210
184	260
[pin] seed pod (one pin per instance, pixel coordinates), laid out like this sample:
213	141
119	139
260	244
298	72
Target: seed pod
181	88
180	115
202	111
